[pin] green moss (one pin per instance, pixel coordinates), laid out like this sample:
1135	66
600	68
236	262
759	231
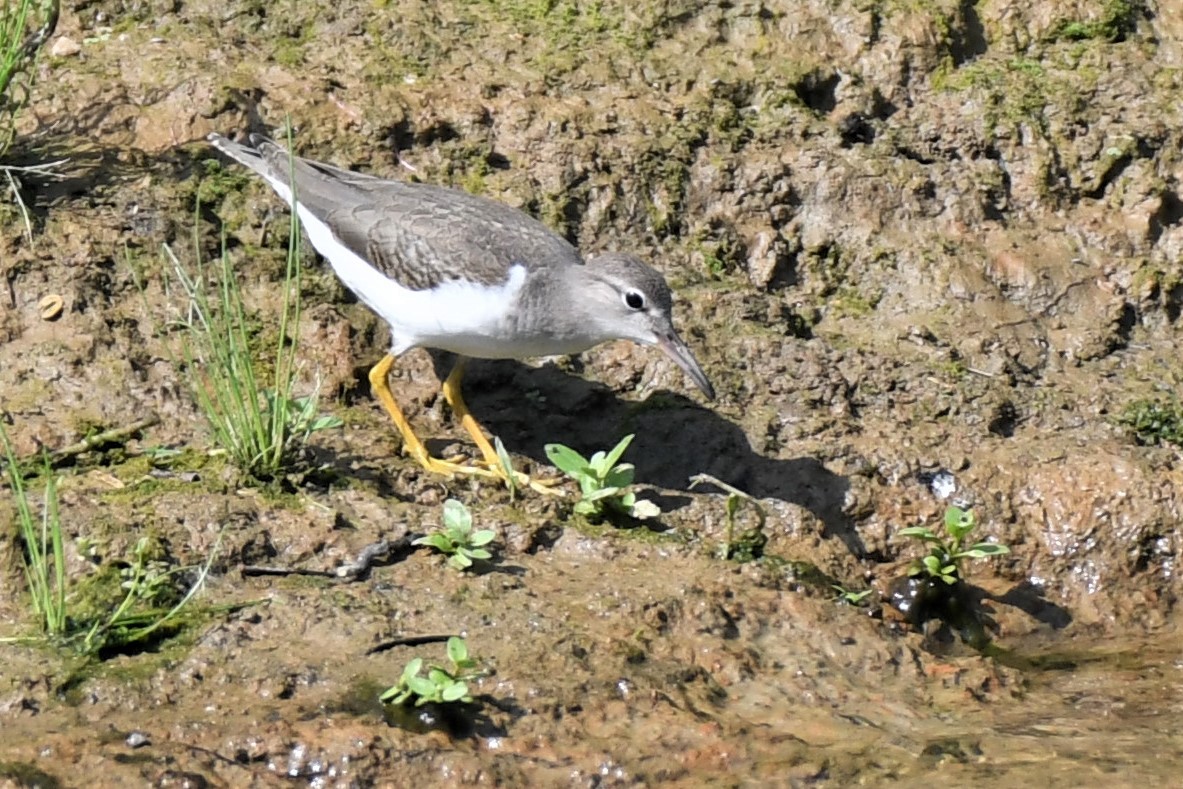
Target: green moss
215	181
1117	20
1154	421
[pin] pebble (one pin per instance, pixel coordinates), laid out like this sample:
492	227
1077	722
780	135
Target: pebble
64	47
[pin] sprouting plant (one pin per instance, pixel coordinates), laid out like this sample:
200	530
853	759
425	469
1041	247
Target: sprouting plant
506	463
603	482
849	596
457	539
749	544
946	557
441	685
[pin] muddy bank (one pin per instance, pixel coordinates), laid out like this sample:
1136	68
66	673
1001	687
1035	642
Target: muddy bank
904	239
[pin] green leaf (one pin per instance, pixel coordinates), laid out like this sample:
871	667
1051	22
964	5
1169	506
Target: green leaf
586	507
412	669
396	695
932	564
460	561
602	493
455	692
439	677
983	550
567	460
421	686
958	522
326	422
621	476
482	537
477	553
618	450
456	516
921	533
457	650
438	541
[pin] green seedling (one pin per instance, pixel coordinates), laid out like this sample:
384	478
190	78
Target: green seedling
457	540
946	557
849	596
441	685
603	482
506	463
749	544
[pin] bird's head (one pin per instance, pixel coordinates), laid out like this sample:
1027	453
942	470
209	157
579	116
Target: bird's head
633	302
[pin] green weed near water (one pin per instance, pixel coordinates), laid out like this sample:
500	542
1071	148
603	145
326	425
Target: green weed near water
45	563
253	412
947	556
67	614
603	482
441	685
457	540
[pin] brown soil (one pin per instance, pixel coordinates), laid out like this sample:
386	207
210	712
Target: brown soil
905	237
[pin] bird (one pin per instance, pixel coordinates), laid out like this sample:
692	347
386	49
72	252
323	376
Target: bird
454	271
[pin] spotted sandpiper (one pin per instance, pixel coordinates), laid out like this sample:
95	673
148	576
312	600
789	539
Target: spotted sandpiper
453	271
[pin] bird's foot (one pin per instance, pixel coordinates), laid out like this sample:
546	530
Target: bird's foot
451	468
495	467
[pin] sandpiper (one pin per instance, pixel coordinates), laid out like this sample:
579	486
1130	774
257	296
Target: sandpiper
461	273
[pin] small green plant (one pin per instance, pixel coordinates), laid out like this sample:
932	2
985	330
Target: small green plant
603	482
1154	421
44	554
457	540
946	557
749	544
851	597
441	685
506	463
262	427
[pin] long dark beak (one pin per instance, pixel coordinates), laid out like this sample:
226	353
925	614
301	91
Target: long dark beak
674	348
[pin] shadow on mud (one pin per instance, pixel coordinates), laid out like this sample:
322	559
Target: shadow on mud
676	437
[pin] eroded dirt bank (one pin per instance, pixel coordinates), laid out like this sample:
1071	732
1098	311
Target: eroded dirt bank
905	238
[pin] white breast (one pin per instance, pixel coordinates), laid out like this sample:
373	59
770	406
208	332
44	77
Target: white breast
462	317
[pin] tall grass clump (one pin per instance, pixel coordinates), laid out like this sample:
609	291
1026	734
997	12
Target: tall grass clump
122	611
44	556
25	25
249	403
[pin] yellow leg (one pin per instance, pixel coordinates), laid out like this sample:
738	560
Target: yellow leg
411	443
455	400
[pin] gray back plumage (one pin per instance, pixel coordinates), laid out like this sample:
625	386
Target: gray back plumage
416	234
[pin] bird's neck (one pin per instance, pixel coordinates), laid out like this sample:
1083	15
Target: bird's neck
555	304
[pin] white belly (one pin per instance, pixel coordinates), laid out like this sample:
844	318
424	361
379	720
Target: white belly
462	317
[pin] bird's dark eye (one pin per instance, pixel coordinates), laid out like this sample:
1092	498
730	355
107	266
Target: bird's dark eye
634	300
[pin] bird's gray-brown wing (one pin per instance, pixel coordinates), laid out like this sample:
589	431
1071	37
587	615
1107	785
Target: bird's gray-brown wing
420	235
